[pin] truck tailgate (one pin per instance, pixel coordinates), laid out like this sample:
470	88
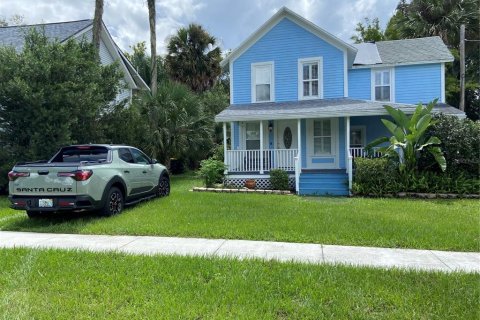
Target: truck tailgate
43	180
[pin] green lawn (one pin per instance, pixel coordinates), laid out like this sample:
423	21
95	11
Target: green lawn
425	224
37	284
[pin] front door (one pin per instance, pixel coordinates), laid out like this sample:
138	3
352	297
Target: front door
286	137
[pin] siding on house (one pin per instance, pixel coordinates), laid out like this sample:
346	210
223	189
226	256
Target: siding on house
418	83
359	84
374	126
105	56
284	44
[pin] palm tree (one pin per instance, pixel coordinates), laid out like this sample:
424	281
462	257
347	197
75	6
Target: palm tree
153	46
178	125
423	18
97	26
193	58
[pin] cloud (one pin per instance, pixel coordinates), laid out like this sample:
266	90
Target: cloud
230	22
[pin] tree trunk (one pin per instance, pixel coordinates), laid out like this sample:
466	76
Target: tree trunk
97	26
153	46
462	67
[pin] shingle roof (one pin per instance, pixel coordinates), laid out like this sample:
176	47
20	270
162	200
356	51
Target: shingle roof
403	51
15	35
321	108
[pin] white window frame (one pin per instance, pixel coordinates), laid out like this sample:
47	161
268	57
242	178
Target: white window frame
363	130
335	146
331	153
392	83
319	61
271	64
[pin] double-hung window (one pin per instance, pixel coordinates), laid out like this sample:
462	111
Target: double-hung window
252	132
322	137
382	85
310	78
262	82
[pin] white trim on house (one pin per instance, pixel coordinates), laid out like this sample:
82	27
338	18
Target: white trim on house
391	65
442	82
271	64
284	12
345	74
231	81
319	61
392	83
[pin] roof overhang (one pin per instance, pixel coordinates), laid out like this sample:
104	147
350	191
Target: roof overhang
323	108
284	12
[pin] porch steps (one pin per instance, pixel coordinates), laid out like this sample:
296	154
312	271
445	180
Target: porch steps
324	183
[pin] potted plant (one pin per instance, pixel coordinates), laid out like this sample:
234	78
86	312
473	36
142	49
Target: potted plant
250	183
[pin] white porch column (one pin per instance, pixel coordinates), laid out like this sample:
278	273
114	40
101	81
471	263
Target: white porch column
261	147
225	146
349	158
298	166
299	142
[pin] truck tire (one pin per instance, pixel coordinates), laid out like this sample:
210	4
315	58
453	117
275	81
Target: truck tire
163	188
34	214
114	203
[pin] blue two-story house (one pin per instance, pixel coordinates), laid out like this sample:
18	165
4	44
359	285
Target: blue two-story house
305	101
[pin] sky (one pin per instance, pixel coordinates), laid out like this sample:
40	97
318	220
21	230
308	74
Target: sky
230	21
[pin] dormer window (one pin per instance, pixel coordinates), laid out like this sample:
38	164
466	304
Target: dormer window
382	85
310	85
262	82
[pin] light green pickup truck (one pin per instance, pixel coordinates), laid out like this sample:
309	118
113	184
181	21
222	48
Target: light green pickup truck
87	177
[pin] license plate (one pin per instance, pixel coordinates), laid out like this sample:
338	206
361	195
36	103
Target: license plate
45	203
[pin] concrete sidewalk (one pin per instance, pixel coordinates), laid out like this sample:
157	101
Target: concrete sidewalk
244	249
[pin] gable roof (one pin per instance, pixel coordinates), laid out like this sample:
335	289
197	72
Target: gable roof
407	51
62	31
284	12
15	35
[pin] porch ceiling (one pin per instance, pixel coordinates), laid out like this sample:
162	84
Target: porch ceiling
320	108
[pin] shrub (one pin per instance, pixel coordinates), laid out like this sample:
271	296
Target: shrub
379	177
460	144
211	171
376	177
279	179
218	152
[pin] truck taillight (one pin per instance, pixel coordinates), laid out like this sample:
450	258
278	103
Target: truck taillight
13	175
79	175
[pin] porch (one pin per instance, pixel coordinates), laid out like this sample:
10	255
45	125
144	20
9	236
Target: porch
315	141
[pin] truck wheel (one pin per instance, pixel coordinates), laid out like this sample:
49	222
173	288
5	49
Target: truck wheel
34	214
163	188
114	203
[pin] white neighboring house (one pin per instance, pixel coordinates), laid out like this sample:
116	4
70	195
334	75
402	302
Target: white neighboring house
62	31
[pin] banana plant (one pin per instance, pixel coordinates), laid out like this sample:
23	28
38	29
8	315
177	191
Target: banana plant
408	138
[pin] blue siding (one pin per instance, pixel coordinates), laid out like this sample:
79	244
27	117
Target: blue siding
284	44
418	83
359	84
374	126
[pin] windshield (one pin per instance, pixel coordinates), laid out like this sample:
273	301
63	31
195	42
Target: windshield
81	153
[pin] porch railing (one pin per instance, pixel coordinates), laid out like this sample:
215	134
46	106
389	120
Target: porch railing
250	160
362	153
